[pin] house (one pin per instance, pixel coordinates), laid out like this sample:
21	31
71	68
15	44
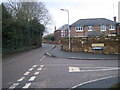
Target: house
64	30
57	34
94	27
119	29
61	32
89	27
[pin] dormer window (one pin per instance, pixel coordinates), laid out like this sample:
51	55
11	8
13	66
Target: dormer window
112	27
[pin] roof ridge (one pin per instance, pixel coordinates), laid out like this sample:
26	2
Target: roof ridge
94	21
91	18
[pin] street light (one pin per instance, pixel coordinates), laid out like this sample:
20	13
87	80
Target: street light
68	27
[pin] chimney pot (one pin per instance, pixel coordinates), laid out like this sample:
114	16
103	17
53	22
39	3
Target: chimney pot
55	28
114	19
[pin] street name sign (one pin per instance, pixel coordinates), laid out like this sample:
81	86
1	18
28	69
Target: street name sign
98	45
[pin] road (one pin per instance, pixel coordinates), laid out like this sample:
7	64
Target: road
33	69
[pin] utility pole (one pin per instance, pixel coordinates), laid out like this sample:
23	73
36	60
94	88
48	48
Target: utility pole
68	28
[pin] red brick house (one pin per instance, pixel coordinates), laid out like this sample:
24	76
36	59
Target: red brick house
95	27
118	28
61	32
89	27
57	34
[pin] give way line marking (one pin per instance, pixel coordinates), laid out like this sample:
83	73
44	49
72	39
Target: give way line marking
88	69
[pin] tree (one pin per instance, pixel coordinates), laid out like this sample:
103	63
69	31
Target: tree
19	30
49	37
29	11
6	23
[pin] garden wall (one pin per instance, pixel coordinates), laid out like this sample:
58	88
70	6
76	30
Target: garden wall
111	44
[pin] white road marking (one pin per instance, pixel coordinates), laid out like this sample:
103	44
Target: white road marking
36	73
30	69
14	85
101	67
32	78
27	85
42	58
42	66
21	79
34	66
92	81
39	69
100	70
26	73
74	69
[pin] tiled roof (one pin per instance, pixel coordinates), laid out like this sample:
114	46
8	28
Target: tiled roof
94	21
64	27
95	33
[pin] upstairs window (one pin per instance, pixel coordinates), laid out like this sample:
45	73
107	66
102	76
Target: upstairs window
90	28
112	27
62	33
103	28
79	28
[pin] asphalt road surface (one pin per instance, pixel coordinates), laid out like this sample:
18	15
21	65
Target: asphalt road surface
99	83
33	69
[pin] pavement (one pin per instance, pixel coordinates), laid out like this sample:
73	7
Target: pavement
57	52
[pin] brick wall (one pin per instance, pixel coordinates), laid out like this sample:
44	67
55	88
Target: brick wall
85	45
86	31
57	35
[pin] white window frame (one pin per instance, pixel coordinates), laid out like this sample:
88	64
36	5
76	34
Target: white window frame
79	28
90	28
62	33
103	28
111	27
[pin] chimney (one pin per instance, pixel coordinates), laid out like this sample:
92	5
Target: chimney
114	19
55	28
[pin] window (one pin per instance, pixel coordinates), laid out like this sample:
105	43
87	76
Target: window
112	27
103	28
80	28
90	28
62	33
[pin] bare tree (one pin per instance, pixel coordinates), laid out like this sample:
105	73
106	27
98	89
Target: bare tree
29	11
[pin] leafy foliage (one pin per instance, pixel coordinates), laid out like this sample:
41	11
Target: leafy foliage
20	33
49	37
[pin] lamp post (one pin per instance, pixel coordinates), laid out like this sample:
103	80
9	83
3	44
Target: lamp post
68	28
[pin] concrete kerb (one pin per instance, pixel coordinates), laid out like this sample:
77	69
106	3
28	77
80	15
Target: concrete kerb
50	54
77	58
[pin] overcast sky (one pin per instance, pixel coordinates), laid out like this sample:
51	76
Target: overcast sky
80	9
